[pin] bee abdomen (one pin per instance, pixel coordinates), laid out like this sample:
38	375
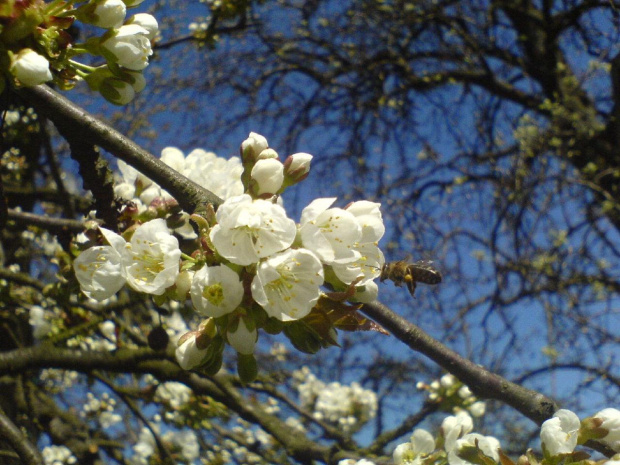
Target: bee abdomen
425	275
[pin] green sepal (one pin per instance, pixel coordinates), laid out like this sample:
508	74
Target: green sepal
247	367
303	337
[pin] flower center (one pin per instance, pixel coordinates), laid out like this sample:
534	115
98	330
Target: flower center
150	265
214	294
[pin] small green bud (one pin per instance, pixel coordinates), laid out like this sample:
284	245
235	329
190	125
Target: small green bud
247	367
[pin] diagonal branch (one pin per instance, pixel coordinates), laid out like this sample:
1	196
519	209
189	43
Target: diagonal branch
64	113
27	452
483	383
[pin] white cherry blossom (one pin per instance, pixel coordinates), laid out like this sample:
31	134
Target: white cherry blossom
130	47
488	445
40	325
176	394
174	158
367	266
146	21
216	290
287	284
559	434
421	444
217	174
368	216
53	455
366	293
455	427
99	269
331	233
152	264
422	441
250	230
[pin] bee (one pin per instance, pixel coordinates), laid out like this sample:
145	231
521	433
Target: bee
403	272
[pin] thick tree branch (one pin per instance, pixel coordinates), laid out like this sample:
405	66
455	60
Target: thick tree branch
44	356
219	388
63	112
483	383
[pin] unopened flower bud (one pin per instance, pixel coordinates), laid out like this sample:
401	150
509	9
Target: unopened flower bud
30	68
296	168
188	354
465	392
447	380
610	422
208	327
267	153
252	147
132	3
183	284
247	367
136	79
523	460
297	165
268	175
117	91
104	13
477	409
242	339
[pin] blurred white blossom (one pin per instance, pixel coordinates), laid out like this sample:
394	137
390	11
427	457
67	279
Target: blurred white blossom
559	434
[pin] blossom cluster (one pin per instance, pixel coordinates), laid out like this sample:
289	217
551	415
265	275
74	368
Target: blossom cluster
452	395
183	446
561	434
38	45
346	407
102	408
245	267
58	455
456	444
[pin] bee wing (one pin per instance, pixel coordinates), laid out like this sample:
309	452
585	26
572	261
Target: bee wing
423	271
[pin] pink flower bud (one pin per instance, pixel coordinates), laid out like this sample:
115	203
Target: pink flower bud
297	164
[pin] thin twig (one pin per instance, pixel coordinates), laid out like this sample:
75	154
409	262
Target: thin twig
45	222
27	452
